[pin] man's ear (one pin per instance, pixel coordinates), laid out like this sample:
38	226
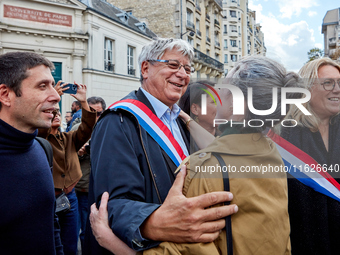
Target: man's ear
145	69
5	97
194	108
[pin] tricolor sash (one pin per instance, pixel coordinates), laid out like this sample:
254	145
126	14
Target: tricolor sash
305	169
154	126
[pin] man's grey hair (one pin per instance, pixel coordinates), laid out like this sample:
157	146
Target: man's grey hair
157	48
262	74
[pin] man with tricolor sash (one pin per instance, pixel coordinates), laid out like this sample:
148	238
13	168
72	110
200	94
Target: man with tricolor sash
137	145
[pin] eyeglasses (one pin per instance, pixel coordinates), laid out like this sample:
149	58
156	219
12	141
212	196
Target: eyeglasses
175	65
329	84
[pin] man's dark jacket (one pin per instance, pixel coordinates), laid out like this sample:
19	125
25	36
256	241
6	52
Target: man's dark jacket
129	164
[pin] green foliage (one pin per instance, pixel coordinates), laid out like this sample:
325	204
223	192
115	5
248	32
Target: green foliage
314	54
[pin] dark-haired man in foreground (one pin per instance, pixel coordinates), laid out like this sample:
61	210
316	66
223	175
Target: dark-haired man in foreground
28	224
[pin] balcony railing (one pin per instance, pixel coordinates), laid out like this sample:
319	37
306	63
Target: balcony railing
108	66
131	71
208	60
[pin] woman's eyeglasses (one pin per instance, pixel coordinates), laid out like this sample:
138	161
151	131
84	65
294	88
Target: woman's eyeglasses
329	84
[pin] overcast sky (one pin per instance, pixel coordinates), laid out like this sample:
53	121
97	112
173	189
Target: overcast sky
291	27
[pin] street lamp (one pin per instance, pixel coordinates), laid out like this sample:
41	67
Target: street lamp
192	33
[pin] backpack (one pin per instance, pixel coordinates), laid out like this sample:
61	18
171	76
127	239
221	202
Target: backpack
48	150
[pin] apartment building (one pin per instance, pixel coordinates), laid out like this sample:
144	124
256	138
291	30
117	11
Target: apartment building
242	36
197	21
331	33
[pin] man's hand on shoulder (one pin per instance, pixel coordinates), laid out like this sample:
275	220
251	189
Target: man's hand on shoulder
180	219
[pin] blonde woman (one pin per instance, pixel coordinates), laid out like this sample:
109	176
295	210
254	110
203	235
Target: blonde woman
314	217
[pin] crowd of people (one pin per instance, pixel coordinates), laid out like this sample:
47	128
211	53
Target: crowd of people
142	176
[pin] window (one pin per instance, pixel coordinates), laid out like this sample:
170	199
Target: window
225	58
225	29
108	55
225	44
239	29
233	14
225	72
190	19
233	28
208	52
233	43
191	41
197	24
130	60
217	57
233	58
198	74
198	46
239	44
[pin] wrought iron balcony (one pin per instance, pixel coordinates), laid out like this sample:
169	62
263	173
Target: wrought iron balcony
208	60
131	71
108	66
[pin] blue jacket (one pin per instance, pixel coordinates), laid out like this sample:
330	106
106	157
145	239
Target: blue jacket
131	166
76	115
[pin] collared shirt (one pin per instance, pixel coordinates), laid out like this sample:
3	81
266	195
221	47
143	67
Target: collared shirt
168	117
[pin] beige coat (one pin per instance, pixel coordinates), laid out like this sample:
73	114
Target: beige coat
261	226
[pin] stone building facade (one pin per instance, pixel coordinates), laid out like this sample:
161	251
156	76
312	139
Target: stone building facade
90	42
242	36
197	21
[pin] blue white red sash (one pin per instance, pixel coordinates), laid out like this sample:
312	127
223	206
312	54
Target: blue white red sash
154	126
305	169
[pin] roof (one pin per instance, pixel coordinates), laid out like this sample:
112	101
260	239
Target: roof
114	13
